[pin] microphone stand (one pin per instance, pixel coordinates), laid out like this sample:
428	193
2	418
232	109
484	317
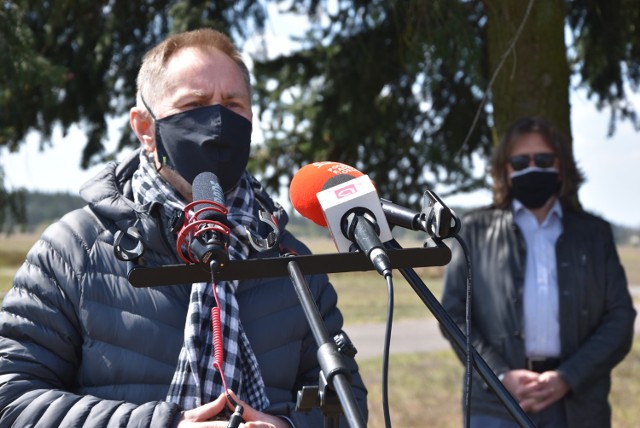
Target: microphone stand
454	332
332	373
335	376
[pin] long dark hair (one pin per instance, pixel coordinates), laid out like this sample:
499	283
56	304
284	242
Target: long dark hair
570	174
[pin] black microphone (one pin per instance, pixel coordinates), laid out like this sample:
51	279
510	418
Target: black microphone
205	233
398	215
205	190
436	218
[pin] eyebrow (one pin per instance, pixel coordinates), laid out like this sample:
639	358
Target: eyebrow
200	95
235	95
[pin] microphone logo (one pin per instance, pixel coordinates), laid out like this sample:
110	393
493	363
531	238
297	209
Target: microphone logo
345	191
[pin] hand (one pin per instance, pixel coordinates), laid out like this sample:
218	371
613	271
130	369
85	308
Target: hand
200	417
549	388
518	382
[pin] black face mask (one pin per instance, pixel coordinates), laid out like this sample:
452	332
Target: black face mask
534	186
211	138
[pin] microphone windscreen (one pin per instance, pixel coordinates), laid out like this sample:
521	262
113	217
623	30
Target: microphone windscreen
206	187
337	179
309	180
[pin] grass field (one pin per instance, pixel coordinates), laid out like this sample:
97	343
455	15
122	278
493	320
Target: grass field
13	249
424	388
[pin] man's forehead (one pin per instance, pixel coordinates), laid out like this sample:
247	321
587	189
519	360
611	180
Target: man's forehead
195	70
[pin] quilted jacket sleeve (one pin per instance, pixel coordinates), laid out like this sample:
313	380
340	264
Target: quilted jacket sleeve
41	341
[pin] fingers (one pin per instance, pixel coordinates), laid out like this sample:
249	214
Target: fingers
248	413
550	388
201	416
206	411
534	405
256	419
235	399
520	382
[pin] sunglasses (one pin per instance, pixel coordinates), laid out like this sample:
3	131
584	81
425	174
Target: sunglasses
541	160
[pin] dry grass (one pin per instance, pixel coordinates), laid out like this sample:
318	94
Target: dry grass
626	390
630	259
363	297
424	389
13	249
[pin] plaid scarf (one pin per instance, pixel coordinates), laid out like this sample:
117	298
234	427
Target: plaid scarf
196	381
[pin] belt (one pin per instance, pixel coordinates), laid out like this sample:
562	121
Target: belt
541	365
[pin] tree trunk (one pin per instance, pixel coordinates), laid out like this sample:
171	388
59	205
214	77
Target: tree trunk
534	79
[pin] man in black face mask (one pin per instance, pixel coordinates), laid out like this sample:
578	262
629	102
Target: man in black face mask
81	346
551	314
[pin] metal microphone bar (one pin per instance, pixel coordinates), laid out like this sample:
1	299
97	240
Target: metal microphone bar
142	276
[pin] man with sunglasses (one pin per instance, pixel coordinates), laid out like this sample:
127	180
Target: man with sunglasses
551	311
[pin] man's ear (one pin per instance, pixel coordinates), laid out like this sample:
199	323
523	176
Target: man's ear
144	128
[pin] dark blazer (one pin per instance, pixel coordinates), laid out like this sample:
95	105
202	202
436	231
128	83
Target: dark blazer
596	310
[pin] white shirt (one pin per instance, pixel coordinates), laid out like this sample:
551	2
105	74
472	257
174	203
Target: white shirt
541	309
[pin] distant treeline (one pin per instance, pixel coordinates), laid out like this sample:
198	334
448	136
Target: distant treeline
44	208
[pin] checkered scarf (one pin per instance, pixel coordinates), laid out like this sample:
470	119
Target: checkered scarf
196	381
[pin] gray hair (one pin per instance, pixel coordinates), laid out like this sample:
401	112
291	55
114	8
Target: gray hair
152	82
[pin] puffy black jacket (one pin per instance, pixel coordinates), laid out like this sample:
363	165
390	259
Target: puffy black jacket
596	310
80	346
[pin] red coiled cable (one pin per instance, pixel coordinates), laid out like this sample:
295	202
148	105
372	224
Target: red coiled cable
218	344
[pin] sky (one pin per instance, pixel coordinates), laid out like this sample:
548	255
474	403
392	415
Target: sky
611	164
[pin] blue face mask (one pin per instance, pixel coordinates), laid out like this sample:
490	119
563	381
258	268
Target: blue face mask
211	138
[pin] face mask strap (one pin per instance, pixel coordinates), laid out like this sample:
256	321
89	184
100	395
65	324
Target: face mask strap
153	116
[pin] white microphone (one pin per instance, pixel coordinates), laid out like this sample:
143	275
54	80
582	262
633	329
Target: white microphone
350	207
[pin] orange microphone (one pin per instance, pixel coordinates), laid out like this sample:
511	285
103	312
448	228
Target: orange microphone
344	200
309	180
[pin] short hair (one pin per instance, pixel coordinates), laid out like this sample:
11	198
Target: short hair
570	175
151	81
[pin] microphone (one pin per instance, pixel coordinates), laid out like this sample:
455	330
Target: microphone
344	199
203	237
436	218
208	196
308	181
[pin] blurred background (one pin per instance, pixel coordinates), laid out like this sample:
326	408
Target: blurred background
412	92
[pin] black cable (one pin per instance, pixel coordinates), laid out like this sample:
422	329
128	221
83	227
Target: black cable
236	418
385	352
469	360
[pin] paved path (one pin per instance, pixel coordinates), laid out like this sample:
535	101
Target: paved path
421	335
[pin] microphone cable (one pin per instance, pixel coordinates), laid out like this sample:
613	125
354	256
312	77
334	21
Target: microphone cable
218	350
385	352
469	360
203	240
